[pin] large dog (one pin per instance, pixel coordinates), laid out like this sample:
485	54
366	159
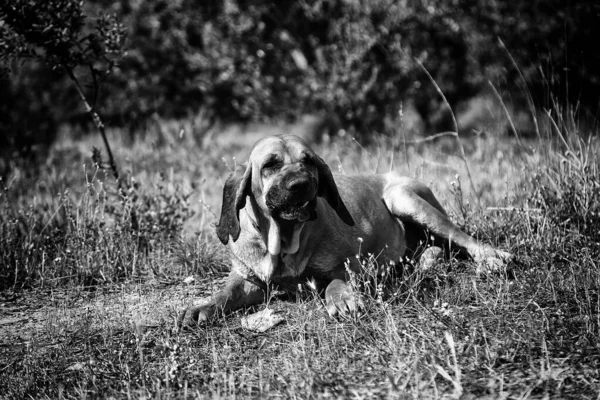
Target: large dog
287	219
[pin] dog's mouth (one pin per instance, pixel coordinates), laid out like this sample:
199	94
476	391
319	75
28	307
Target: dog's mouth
300	212
288	215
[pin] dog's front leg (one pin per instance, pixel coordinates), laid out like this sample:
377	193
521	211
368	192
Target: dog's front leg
237	293
340	298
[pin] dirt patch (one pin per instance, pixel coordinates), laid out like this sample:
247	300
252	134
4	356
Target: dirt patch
37	315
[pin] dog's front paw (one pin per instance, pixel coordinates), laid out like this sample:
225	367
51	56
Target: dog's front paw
340	299
195	316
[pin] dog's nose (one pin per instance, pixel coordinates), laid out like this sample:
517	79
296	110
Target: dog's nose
297	185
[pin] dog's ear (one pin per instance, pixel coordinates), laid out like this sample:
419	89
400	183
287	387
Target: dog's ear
329	191
237	187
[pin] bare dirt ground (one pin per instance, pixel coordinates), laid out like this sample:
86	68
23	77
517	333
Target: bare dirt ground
31	316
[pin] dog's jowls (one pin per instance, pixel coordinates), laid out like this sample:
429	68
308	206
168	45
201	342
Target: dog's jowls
287	219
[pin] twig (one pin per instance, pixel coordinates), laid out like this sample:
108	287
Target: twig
99	124
430	138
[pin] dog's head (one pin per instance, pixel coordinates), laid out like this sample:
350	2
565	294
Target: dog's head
283	177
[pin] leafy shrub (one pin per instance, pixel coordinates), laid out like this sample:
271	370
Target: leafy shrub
262	59
355	60
265	59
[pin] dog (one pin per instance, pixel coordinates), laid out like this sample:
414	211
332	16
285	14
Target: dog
287	218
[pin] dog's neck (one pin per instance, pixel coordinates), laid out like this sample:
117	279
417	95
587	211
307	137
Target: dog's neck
280	242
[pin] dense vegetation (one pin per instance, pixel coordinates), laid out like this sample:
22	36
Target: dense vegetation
356	62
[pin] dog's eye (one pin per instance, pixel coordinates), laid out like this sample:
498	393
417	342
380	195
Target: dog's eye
271	164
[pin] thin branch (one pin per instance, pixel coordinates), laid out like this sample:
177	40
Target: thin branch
431	138
97	121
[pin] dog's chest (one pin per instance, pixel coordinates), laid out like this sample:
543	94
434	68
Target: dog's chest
285	267
291	266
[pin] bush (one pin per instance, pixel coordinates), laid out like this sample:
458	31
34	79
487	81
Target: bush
263	59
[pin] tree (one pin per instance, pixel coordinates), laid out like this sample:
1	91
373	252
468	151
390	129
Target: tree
58	33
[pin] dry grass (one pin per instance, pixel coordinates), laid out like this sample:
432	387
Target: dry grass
92	284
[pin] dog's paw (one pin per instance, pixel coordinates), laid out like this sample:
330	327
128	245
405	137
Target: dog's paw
341	300
195	316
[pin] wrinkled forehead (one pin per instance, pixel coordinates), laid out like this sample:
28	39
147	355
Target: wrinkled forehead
288	148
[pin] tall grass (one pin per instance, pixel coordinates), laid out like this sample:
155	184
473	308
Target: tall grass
444	332
65	222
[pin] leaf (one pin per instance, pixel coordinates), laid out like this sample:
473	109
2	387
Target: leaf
261	321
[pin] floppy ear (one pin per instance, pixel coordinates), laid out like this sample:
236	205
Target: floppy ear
237	187
329	191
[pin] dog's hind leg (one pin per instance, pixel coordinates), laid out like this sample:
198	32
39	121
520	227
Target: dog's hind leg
414	203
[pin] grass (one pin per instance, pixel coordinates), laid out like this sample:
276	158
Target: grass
92	284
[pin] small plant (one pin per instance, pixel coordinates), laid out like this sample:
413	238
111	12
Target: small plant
463	205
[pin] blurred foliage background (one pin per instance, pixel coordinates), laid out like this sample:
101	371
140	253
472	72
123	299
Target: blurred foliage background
352	61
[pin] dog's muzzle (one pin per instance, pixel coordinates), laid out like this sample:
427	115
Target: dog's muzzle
294	199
